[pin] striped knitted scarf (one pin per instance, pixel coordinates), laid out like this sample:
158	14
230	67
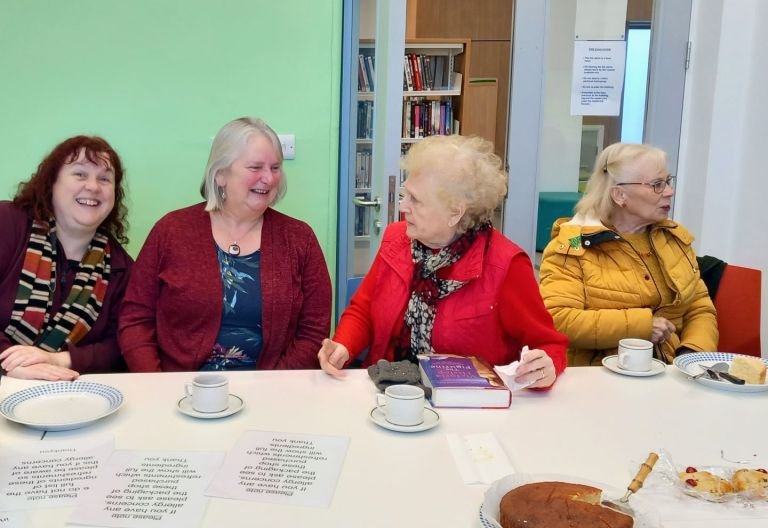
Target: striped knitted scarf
31	322
427	288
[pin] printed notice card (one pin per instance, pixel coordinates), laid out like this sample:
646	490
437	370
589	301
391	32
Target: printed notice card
598	77
15	519
51	475
283	468
147	488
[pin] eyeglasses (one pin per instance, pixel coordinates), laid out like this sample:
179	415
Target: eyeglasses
658	186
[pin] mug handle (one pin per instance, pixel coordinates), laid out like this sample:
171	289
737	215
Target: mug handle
188	390
621	362
380	401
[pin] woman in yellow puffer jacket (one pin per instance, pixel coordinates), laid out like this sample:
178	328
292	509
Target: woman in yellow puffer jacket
621	268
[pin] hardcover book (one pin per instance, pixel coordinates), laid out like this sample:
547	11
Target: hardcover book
458	381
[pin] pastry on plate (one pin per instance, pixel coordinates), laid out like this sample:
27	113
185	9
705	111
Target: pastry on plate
754	481
750	369
705	482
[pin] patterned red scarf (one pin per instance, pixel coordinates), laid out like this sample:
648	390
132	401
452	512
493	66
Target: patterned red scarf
427	288
31	323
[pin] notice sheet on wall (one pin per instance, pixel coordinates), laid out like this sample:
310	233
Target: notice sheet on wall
51	474
283	468
149	488
598	77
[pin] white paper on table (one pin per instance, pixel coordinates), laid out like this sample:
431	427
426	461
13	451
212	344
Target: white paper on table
283	468
14	519
507	373
138	489
479	457
51	473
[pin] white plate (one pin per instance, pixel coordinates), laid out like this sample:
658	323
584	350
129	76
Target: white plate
645	515
62	405
612	364
236	404
431	419
689	364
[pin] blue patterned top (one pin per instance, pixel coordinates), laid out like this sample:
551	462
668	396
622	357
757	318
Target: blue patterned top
239	343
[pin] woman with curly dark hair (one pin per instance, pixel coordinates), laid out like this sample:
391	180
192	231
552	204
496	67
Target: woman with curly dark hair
63	270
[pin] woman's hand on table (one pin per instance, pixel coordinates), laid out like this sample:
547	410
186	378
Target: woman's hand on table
26	355
333	356
536	368
43	371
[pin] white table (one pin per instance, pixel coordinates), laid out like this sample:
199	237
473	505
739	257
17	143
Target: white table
593	424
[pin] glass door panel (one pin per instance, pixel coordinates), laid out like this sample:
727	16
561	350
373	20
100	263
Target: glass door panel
551	152
373	43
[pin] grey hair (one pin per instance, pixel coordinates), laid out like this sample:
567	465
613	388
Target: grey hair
610	169
227	146
469	172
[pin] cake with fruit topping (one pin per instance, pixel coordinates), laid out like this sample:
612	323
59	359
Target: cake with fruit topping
558	505
705	482
753	481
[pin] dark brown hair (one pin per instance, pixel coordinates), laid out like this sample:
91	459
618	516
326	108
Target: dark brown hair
36	194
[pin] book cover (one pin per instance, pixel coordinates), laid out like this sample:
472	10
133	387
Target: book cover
458	381
371	72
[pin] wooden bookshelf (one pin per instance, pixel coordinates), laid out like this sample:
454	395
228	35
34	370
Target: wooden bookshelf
439	95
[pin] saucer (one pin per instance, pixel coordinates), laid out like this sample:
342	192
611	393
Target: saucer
431	419
235	404
612	364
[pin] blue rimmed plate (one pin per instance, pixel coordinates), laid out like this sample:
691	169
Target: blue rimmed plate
691	364
62	405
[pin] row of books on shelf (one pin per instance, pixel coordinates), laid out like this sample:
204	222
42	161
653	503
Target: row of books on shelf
365	73
363	168
364	119
427	72
422	118
420	72
362	218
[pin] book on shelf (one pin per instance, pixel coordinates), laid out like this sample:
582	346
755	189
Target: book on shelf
362	77
458	381
407	74
370	71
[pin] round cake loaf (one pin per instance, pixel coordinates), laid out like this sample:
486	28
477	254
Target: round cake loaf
558	505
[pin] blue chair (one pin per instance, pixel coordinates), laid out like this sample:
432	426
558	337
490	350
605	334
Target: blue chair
552	205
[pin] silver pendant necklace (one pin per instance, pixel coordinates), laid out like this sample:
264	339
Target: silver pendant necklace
234	248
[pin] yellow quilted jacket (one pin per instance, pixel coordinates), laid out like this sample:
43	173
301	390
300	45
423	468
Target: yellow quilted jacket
599	291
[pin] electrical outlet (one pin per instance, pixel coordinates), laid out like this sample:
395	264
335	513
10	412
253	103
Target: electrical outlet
288	143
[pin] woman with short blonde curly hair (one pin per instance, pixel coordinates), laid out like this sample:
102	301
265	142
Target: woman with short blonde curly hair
444	280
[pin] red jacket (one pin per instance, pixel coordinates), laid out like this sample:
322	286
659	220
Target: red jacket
493	316
172	310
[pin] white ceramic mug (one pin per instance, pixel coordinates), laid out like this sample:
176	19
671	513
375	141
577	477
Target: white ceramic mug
635	355
402	404
209	393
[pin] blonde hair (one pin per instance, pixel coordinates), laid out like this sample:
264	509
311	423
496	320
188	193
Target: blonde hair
611	168
227	146
468	170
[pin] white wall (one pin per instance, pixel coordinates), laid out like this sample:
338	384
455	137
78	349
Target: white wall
723	181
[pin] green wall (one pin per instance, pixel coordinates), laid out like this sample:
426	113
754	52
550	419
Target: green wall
158	78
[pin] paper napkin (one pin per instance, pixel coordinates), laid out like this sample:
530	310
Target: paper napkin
507	373
479	457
